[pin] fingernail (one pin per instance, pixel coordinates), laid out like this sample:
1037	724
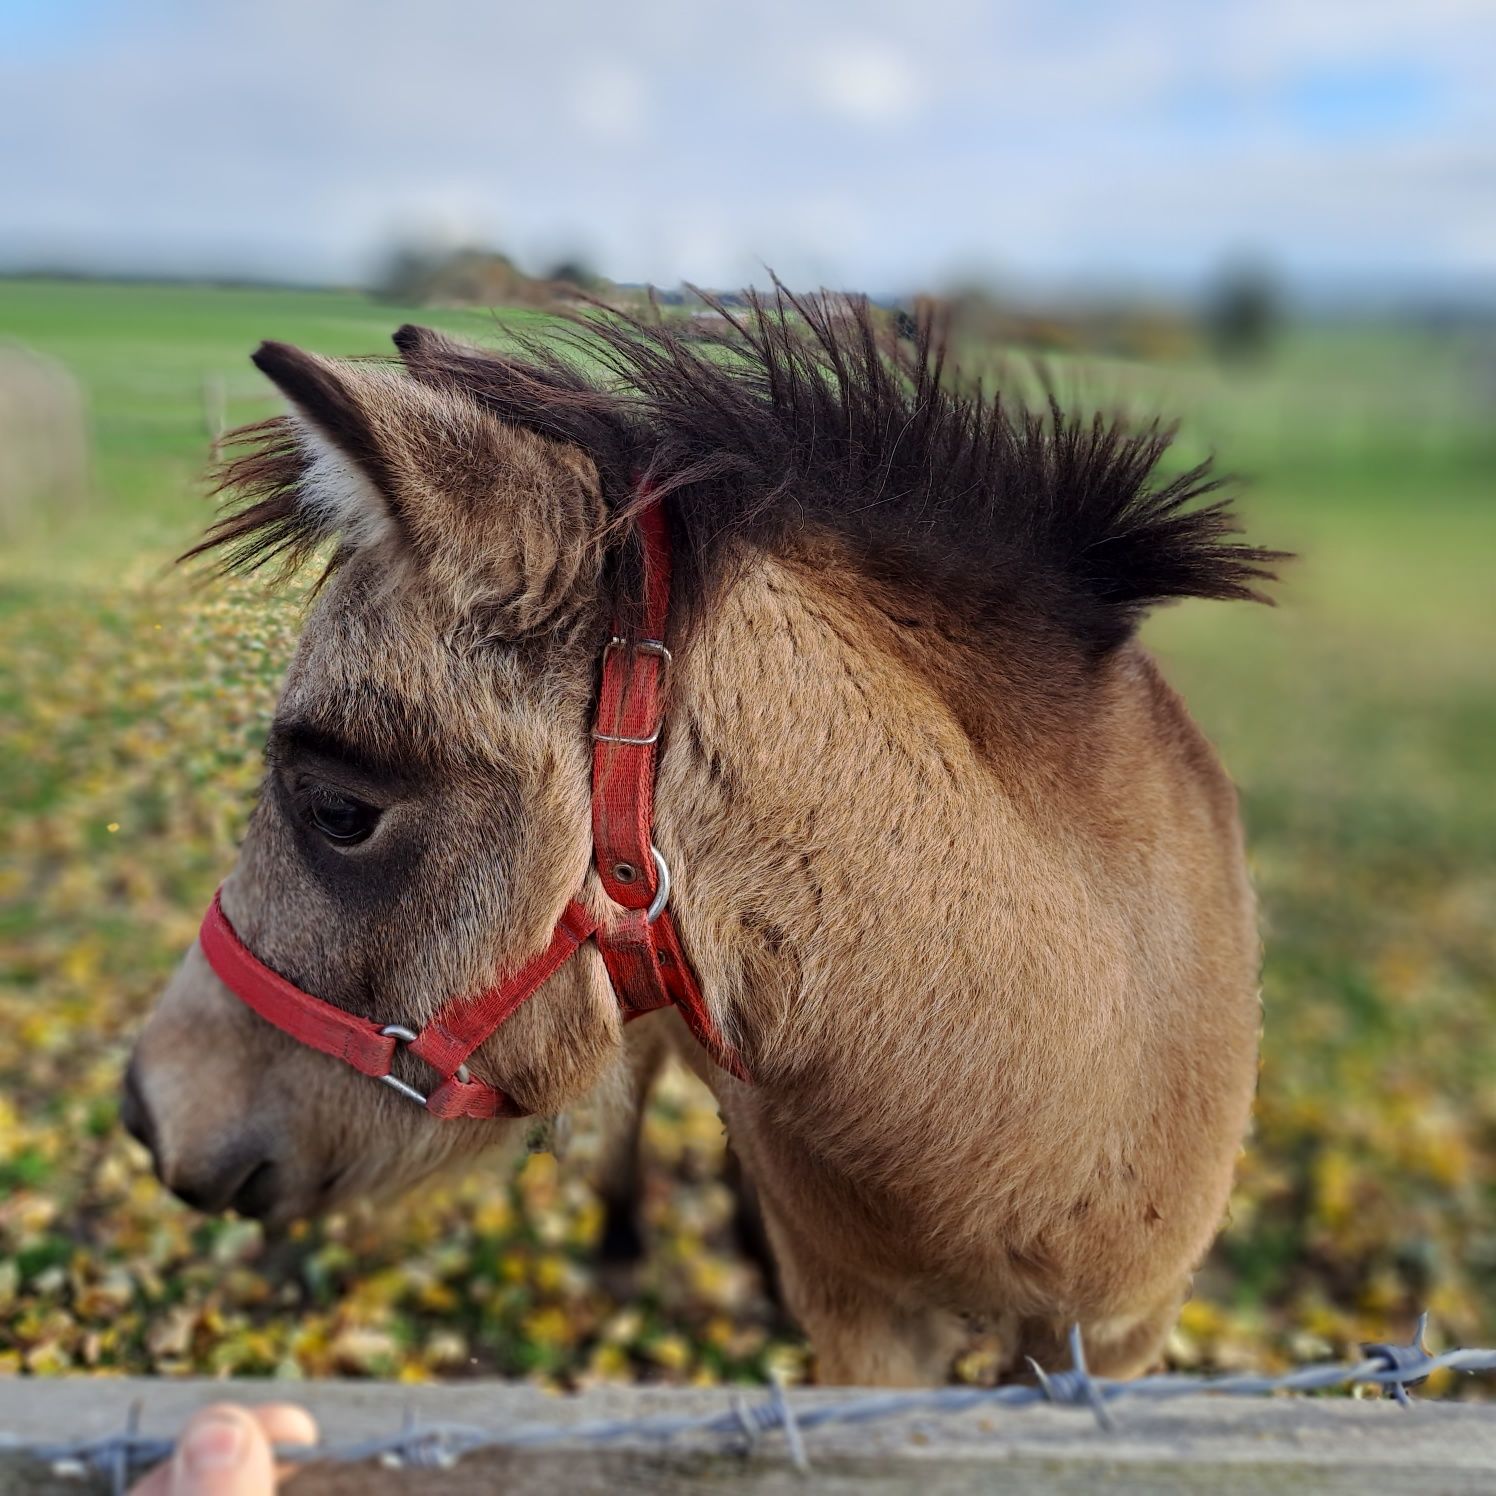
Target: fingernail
212	1444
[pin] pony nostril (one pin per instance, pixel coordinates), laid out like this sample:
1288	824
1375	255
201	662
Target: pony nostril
196	1195
134	1114
235	1183
256	1196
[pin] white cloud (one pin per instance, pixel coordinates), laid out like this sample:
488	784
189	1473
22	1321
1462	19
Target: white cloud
610	102
867	82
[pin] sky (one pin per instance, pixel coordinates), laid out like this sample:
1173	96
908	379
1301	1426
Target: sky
869	145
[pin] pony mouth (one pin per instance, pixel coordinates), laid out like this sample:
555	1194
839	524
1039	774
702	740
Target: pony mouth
327	1191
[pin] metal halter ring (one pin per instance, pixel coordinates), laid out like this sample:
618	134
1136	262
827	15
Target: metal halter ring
662	893
406	1036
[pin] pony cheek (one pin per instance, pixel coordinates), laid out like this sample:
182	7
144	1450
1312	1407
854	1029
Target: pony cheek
557	1049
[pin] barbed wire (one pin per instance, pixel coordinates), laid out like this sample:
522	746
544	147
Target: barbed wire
744	1423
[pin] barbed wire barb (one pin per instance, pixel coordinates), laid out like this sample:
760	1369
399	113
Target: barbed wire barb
781	1402
1074	1386
744	1415
1404	1358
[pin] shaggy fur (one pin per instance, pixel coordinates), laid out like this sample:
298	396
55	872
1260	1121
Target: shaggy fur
959	876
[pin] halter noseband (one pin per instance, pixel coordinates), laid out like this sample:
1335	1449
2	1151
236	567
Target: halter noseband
641	949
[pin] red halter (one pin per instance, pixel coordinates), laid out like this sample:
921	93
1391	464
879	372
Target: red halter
641	949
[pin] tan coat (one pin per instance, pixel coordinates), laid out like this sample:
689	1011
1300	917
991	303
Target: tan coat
965	885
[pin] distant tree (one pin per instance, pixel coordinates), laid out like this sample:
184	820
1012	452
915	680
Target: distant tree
1243	313
574	272
423	275
408	275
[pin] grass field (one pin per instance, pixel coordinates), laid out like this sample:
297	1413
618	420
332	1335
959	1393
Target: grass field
1358	718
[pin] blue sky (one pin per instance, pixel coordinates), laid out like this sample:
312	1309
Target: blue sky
872	144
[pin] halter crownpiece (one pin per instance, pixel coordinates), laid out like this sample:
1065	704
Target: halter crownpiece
641	948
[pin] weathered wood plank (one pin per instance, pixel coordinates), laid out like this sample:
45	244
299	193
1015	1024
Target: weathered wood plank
1199	1443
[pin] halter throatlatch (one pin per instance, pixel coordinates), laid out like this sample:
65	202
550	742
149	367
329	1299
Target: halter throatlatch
641	948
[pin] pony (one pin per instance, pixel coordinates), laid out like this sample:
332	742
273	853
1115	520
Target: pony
957	886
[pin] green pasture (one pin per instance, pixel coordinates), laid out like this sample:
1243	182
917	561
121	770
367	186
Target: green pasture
1358	717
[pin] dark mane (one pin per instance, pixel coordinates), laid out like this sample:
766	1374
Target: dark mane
795	417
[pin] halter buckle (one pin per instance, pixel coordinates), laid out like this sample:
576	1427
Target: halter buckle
653	647
399	1032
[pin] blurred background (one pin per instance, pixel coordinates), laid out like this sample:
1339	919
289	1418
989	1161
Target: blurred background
1273	222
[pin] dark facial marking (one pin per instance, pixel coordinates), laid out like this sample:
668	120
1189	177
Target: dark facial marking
301	742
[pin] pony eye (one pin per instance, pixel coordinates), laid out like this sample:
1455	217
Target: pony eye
340	819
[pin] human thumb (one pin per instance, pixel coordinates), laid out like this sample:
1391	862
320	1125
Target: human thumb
222	1452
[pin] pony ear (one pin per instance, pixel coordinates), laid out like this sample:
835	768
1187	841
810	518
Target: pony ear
418	345
349	486
506	521
542	392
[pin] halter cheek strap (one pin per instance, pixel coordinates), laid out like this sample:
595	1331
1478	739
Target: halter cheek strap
641	949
